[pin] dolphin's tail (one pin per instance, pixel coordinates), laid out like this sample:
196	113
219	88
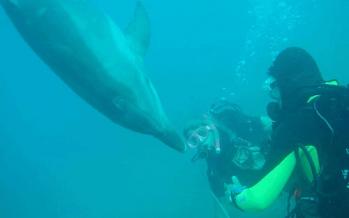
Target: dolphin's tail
173	139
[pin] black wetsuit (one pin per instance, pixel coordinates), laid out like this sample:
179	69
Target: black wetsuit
324	124
220	167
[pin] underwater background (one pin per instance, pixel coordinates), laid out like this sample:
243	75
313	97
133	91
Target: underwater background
59	157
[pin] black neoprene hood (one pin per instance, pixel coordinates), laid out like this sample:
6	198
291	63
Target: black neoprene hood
294	69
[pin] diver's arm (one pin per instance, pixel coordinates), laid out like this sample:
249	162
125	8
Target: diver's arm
265	192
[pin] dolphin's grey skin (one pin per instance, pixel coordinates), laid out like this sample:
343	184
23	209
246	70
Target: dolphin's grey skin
96	59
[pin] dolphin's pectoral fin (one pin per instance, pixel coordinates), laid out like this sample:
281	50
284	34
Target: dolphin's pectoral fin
138	30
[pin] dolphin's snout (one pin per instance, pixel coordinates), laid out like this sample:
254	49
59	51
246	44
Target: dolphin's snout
174	140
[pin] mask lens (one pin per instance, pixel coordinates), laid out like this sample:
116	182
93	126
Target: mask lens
267	84
193	141
197	137
271	86
275	94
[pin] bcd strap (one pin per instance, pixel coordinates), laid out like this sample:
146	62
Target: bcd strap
310	161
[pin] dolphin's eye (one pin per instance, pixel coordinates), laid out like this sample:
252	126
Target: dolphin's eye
119	102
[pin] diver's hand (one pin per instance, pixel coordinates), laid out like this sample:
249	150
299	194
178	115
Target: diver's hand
233	189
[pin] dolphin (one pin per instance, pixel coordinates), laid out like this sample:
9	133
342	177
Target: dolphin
100	62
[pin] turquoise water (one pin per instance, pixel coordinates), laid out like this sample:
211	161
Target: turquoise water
61	158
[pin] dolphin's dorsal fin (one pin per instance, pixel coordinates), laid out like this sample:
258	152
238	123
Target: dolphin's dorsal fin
138	30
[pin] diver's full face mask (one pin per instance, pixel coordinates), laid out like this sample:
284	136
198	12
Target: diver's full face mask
271	87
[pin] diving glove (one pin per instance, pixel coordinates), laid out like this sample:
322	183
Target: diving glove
233	189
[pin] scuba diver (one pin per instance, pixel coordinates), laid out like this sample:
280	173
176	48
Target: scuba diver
232	143
309	144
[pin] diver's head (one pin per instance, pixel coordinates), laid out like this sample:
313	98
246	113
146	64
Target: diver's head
294	70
